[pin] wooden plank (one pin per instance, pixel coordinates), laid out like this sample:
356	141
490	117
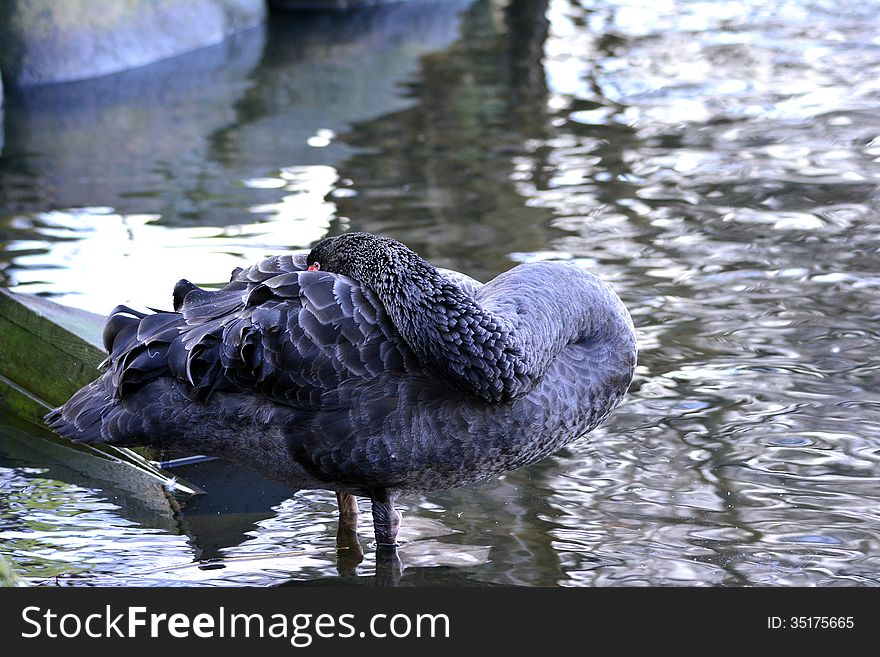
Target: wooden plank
145	499
85	326
39	351
48	352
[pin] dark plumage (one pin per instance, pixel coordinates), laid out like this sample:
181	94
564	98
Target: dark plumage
374	375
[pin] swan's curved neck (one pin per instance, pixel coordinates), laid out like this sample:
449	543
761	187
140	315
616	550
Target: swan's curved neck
471	346
496	346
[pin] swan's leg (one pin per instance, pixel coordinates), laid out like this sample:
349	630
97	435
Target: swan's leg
386	519
348	549
348	510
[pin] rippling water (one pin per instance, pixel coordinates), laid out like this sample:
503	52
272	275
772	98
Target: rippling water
717	162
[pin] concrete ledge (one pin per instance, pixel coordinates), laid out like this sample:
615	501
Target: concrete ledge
47	41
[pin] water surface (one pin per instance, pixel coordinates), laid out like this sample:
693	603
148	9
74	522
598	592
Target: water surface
716	162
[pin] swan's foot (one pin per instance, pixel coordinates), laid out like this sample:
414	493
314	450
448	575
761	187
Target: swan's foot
386	519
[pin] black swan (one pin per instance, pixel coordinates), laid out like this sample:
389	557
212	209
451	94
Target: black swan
363	369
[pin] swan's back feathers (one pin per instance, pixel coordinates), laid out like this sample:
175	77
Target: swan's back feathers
287	334
315	332
291	335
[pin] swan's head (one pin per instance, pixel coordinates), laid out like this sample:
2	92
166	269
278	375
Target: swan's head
362	256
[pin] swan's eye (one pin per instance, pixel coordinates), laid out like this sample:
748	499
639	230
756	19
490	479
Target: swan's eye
315	266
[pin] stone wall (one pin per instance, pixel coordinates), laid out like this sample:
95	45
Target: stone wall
47	41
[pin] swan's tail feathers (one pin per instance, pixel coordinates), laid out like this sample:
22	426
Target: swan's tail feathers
93	415
81	418
138	344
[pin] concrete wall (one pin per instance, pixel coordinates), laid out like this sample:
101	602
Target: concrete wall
47	41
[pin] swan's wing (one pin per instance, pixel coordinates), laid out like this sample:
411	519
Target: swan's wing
287	334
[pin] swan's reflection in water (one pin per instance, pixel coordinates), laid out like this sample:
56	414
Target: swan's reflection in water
294	546
67	529
420	549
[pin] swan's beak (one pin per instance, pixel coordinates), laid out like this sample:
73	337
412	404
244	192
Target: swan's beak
314	266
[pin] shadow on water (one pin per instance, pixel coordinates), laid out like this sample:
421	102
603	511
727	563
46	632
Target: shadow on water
716	163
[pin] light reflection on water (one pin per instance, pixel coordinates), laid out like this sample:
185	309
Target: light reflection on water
716	162
94	241
52	529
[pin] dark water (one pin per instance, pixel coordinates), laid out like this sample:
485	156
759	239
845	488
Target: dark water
716	162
